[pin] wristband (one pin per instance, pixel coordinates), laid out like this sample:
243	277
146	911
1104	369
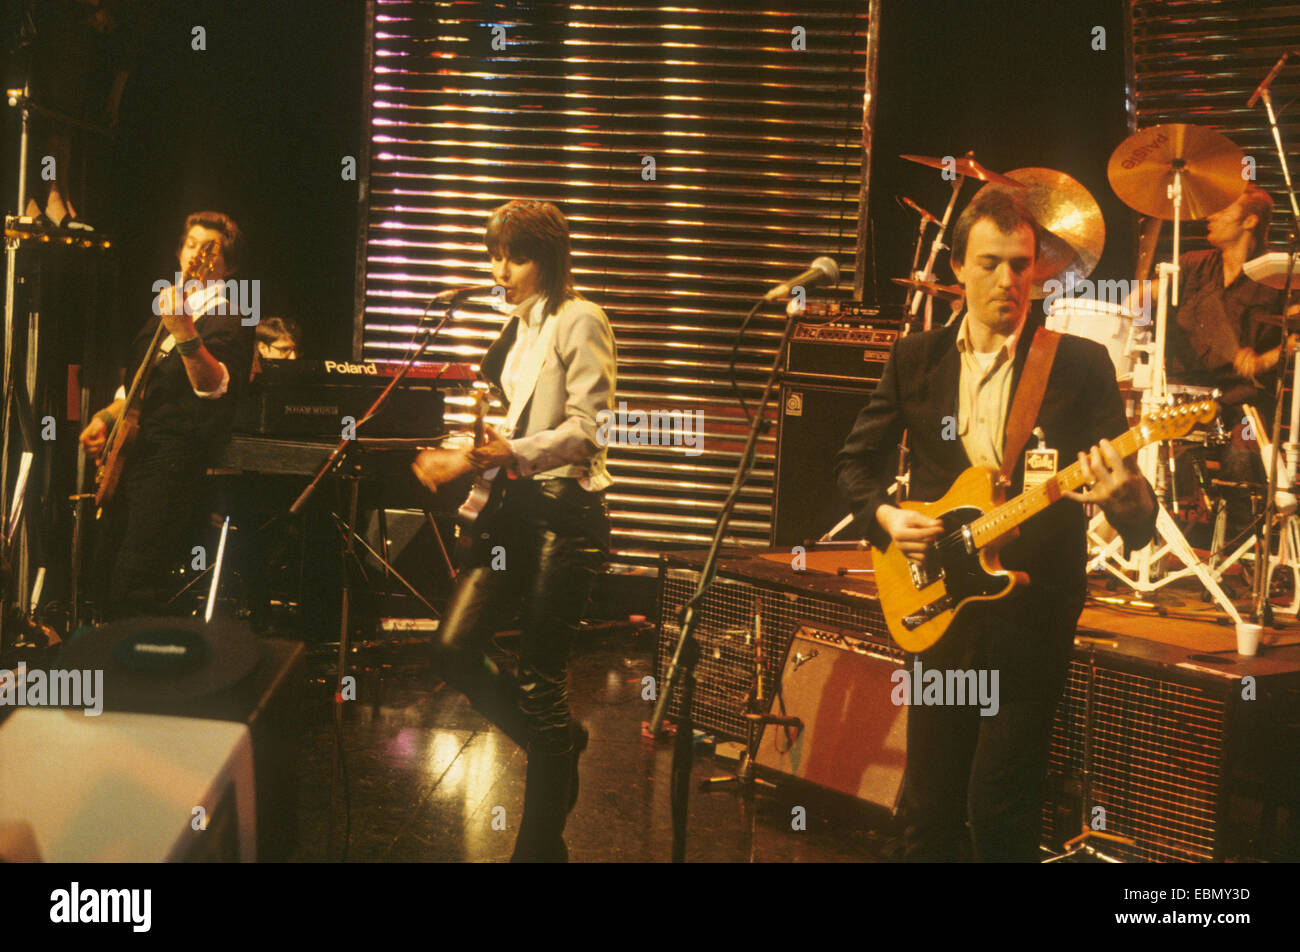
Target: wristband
107	417
188	348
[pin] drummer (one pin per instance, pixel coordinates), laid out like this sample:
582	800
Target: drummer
1218	338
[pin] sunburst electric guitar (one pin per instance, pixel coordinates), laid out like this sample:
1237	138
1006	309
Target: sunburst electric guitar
117	447
920	601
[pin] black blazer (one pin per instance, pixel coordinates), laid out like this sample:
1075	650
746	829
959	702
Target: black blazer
919	389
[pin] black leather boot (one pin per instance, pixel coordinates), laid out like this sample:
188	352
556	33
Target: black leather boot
546	806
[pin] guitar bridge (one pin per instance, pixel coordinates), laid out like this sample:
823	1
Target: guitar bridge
921	576
936	607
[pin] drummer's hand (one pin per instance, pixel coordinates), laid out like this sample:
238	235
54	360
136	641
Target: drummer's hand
1249	364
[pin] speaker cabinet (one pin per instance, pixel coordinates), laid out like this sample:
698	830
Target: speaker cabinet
851	738
814	423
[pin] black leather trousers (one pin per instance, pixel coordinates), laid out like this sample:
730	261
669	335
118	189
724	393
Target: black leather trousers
544	550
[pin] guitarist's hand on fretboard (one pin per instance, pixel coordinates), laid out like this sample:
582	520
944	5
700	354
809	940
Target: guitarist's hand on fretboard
1114	484
493	452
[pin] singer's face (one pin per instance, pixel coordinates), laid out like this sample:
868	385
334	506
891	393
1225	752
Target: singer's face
519	276
998	275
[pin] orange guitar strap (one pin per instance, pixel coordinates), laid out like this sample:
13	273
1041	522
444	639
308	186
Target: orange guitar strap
1029	397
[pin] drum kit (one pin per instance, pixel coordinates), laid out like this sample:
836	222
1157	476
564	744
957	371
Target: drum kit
1172	172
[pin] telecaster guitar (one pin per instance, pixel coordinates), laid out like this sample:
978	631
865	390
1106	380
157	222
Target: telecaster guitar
920	601
485	496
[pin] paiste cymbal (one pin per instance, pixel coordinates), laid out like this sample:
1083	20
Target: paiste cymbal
965	165
949	292
1141	169
1073	231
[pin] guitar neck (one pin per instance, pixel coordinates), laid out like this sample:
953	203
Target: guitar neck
998	522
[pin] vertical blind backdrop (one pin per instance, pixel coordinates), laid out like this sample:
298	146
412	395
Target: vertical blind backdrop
757	156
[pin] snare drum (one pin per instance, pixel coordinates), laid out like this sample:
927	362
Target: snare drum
1107	324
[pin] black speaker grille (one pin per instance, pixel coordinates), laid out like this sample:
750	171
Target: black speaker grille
1157	765
726	634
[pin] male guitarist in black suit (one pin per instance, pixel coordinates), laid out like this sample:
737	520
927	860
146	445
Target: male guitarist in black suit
188	406
951	390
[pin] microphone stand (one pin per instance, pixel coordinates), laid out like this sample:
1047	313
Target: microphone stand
349	547
681	669
1263	612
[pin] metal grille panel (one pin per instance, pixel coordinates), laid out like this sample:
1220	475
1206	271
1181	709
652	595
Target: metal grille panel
726	635
1157	765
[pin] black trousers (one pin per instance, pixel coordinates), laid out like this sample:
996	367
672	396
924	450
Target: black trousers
988	771
544	550
158	519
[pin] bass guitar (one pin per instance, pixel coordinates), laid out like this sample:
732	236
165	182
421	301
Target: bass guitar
920	601
117	448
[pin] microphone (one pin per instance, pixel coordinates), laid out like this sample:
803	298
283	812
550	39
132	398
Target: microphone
1268	80
823	271
908	203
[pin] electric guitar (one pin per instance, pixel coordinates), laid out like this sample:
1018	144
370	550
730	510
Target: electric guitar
485	495
920	601
117	448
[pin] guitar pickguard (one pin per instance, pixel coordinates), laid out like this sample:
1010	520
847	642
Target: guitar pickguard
955	562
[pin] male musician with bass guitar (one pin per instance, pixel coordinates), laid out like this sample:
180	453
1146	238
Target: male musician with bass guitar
954	391
541	550
202	354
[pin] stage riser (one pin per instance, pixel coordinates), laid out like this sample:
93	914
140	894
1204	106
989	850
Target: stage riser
1171	747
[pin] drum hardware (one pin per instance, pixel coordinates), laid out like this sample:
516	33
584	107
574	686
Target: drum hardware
1263	567
1172	171
1072	230
960	169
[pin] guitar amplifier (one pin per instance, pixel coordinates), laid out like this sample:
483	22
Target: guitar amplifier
789	599
842	341
306	398
851	737
1186	761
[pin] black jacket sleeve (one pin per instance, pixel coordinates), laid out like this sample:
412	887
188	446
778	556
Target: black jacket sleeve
867	464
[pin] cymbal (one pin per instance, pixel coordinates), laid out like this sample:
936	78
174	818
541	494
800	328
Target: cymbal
1142	168
948	292
964	165
1073	230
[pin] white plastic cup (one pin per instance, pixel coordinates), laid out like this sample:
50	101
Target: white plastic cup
1248	638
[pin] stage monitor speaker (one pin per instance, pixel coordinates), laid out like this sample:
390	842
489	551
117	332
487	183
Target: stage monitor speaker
852	738
815	421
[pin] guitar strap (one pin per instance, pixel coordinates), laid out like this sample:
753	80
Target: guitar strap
1029	397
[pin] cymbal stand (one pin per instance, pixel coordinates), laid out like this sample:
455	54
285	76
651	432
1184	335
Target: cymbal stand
1136	570
935	247
1263	610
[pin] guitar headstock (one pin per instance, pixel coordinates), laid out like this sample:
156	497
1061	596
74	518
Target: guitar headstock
1173	422
202	263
